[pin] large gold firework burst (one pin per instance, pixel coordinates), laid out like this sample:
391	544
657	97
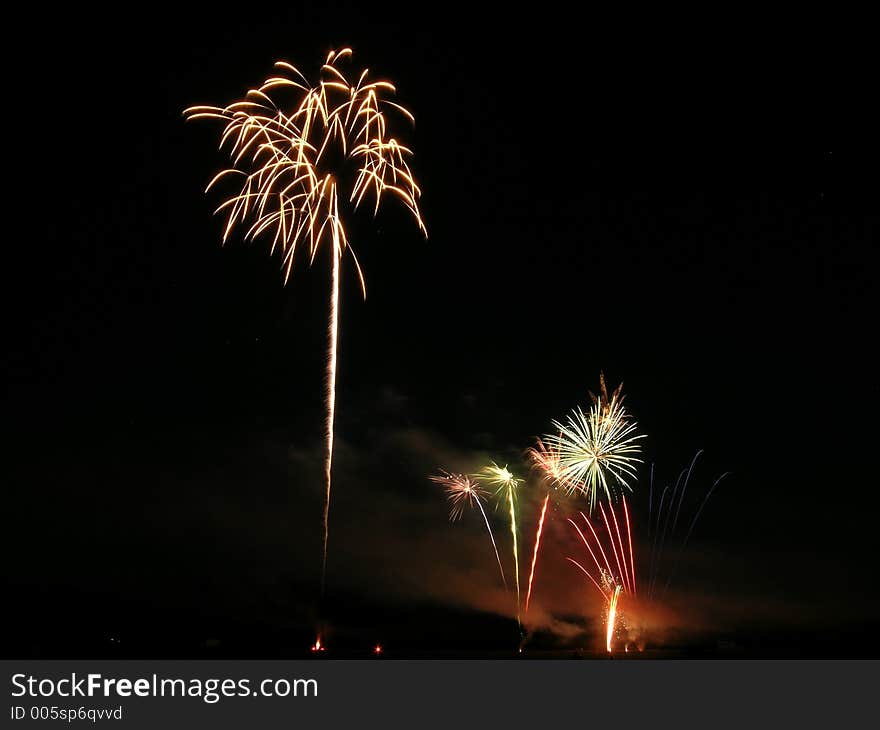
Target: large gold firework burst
290	184
301	152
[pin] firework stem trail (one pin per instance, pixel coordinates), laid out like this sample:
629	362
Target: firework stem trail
505	484
333	336
492	538
632	561
584	539
589	575
537	546
669	508
462	492
684	488
622	551
515	547
686	474
699	511
620	571
598	542
691	529
654	566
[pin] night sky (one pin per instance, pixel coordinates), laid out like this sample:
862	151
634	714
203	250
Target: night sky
696	217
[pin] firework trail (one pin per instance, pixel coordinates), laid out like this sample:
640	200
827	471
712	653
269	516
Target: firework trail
333	338
665	521
596	450
682	481
291	157
462	491
632	561
515	548
691	529
609	582
505	486
537	547
546	460
612	567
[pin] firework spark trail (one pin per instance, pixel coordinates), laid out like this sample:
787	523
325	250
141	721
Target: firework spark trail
654	542
612	616
660	538
589	575
505	485
619	576
333	333
620	571
494	546
462	491
546	460
682	481
515	548
631	557
684	488
535	553
622	552
599	543
612	584
664	521
289	190
691	529
592	555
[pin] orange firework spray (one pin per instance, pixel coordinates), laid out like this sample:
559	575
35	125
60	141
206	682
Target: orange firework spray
612	615
537	547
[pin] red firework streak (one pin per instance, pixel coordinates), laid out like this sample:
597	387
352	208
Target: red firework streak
608	581
546	460
537	547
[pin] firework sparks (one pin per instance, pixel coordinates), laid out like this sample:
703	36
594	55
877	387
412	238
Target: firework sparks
609	582
505	486
292	156
612	617
664	524
620	550
596	451
463	492
547	460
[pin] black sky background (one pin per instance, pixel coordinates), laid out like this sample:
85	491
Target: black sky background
693	213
